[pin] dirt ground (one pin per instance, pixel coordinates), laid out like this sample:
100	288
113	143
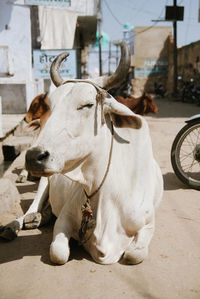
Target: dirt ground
172	269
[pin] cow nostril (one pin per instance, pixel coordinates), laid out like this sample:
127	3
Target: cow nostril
36	157
43	156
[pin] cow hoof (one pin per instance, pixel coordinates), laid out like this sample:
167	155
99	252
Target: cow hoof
59	253
7	233
21	179
32	220
32	178
135	257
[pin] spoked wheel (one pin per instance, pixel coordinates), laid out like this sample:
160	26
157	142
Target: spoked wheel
185	154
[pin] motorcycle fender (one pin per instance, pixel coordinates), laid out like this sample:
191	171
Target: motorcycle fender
192	118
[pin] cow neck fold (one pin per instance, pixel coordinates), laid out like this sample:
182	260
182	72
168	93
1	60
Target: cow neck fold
107	169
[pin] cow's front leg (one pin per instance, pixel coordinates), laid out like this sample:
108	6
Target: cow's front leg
33	218
22	176
59	249
138	249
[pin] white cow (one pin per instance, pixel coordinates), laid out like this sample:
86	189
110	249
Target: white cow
104	183
113	167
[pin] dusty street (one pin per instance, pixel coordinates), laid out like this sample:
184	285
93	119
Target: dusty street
172	269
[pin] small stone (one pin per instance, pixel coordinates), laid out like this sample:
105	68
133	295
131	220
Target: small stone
9	196
7	234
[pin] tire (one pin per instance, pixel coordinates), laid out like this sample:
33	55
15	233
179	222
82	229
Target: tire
186	149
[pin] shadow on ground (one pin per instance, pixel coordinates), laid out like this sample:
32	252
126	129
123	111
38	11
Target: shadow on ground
168	107
37	245
171	182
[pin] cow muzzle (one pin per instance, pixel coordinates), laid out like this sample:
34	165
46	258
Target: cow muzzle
36	160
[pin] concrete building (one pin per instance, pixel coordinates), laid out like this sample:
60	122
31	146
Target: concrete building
151	57
16	81
23	31
189	61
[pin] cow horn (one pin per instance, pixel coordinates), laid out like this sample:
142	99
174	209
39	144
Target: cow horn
105	82
122	70
54	69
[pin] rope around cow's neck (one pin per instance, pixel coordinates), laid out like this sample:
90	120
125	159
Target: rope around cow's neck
101	94
88	221
107	169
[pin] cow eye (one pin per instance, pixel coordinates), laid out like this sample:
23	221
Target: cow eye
85	106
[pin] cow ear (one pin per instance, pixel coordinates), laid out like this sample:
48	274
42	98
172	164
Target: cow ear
122	117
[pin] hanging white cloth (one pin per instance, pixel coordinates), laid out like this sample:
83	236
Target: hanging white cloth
57	28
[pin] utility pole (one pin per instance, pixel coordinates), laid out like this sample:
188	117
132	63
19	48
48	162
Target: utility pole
199	12
175	51
117	54
109	58
174	13
99	20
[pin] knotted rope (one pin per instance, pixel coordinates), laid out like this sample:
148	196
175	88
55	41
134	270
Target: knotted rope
88	221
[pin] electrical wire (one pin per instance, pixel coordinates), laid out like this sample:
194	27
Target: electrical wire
116	19
146	29
136	10
140	9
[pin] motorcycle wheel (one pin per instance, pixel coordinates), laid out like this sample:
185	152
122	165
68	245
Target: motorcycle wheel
185	155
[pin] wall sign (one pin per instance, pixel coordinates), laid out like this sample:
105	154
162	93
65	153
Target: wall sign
48	2
151	66
42	60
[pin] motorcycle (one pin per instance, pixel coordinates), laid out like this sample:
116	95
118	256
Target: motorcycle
159	89
196	94
185	153
190	91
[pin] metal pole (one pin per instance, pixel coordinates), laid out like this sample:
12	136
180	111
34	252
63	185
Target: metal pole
117	54
109	58
199	12
175	52
100	36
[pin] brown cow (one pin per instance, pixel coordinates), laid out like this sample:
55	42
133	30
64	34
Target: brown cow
39	109
142	105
